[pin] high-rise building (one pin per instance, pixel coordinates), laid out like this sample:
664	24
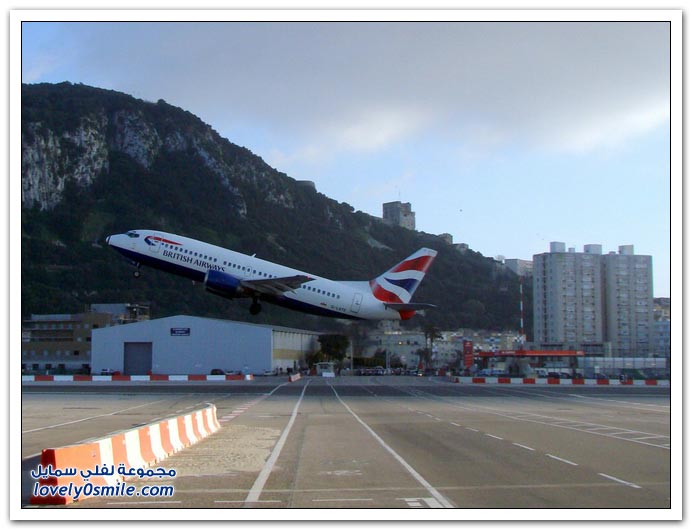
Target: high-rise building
568	303
593	301
399	214
629	302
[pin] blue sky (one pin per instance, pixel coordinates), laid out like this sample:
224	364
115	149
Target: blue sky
506	135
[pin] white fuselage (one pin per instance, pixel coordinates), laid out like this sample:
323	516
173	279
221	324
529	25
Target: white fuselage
194	259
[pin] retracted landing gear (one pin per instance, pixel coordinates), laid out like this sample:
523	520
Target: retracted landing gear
255	308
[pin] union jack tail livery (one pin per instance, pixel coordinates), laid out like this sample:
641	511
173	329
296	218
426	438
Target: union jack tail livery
397	285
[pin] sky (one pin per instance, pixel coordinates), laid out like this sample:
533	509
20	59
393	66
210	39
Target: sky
507	135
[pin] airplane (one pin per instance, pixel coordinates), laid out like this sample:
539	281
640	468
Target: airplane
232	275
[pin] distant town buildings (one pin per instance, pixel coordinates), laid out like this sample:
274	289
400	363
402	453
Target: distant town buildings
61	343
399	214
595	302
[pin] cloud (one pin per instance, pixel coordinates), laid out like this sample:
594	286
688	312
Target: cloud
330	88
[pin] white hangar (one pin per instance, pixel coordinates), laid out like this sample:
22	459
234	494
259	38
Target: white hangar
182	345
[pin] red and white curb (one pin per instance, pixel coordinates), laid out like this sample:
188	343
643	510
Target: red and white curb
143	378
555	381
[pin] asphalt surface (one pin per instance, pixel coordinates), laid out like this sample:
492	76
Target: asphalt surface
378	442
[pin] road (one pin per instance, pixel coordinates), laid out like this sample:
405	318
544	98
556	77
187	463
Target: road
381	442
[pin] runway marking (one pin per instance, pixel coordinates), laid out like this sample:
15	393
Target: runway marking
645	406
493	436
455	424
524	447
444	503
256	490
243	502
470	429
91	417
561	460
342	500
417	502
630	484
562	423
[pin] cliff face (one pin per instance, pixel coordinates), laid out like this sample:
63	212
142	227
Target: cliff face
77	149
97	162
51	158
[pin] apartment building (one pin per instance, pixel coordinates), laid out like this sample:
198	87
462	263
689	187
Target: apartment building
595	302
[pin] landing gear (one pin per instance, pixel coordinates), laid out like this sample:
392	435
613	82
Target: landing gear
137	272
255	308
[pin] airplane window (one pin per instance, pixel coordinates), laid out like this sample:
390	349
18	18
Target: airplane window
132	234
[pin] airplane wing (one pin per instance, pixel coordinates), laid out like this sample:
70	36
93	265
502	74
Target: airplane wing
276	286
409	307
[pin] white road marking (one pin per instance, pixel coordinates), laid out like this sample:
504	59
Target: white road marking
417	502
256	490
493	436
562	423
455	424
561	460
441	499
92	417
524	447
341	500
470	429
242	502
630	484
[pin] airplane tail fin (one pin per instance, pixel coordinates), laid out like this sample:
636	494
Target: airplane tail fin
397	285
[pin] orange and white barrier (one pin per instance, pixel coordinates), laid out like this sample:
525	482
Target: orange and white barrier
108	461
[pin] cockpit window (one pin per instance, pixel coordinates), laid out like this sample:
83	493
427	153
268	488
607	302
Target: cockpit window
132	234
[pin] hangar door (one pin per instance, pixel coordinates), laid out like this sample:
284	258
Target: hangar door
137	358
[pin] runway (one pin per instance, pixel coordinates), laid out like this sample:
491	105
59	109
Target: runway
381	442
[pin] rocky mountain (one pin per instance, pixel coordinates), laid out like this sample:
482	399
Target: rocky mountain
97	162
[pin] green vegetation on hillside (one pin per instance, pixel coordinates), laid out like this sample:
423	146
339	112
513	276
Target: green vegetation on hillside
66	264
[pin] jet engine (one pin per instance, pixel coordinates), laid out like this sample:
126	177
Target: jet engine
223	284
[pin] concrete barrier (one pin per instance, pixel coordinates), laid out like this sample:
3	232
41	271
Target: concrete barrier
293	378
108	461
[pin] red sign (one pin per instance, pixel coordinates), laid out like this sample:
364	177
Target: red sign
468	353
